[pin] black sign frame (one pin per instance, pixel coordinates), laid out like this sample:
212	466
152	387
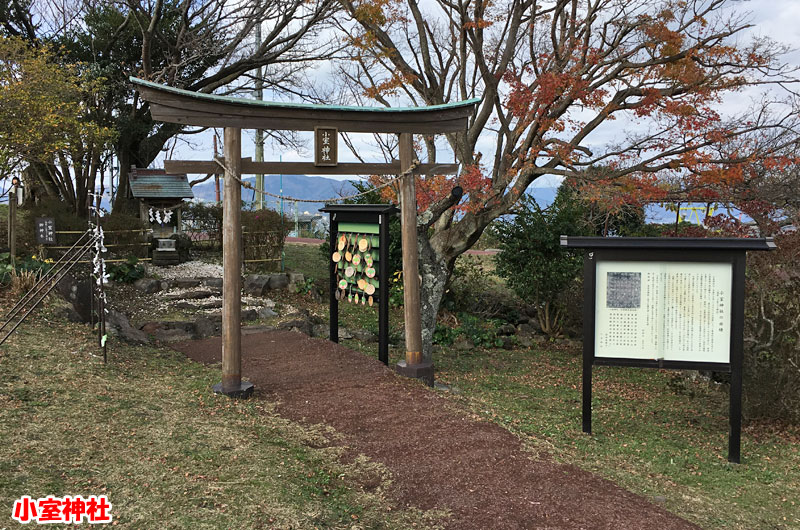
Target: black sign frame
731	251
363	213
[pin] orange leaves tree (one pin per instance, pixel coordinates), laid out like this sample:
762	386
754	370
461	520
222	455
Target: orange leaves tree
634	86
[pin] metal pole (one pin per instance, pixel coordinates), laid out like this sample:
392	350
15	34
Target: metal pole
259	93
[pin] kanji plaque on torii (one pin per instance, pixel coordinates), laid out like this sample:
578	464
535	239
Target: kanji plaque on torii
326	146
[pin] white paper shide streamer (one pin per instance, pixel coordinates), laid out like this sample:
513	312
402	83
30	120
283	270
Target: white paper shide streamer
161	217
99	263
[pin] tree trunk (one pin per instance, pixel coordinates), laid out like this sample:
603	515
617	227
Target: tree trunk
123	202
435	274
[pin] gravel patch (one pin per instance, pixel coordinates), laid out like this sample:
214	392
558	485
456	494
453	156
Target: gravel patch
189	269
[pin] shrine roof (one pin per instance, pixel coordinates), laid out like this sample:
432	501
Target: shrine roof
157	184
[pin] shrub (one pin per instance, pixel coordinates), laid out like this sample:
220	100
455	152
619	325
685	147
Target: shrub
65	219
264	234
772	332
26	267
123	235
481	332
473	288
202	222
531	259
126	272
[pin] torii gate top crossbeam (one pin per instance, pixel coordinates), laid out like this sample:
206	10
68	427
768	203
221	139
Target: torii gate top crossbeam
175	105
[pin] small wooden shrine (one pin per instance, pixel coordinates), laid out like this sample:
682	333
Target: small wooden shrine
160	196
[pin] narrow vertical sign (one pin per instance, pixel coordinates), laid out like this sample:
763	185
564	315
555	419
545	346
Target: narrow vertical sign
45	231
326	146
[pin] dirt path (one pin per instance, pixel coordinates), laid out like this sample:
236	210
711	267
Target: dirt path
439	456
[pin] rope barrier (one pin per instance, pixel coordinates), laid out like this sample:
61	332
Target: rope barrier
409	171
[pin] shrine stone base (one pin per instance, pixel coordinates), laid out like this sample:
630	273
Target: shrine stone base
422	371
244	391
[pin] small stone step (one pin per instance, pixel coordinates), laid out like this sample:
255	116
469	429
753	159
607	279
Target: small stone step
186	283
192	295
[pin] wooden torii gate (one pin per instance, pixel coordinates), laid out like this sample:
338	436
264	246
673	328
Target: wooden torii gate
174	105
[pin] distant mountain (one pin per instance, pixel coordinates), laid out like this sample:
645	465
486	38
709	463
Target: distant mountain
306	187
298	186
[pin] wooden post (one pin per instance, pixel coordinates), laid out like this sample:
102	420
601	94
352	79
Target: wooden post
412	366
12	224
231	271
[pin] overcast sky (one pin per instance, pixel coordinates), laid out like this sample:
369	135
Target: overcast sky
777	19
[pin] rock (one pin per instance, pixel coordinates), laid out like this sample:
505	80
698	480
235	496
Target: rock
531	311
463	344
186	283
212	304
321	330
256	284
508	342
205	327
344	334
215	283
215	316
365	335
151	327
506	329
173	335
164	285
78	292
72	315
252	330
526	341
191	295
249	314
301	325
268	303
182	325
119	323
295	279
527	328
278	281
266	312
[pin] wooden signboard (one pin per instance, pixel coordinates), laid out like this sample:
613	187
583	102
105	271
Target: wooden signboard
45	231
359	264
326	146
666	303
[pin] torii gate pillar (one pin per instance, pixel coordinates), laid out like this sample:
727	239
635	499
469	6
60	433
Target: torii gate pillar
232	384
412	366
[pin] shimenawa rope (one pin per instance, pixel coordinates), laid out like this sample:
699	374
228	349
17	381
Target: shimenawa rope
249	186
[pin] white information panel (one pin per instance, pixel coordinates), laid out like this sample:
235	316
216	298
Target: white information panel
675	311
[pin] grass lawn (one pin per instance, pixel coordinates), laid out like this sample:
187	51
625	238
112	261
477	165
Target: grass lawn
651	434
656	434
306	259
146	431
